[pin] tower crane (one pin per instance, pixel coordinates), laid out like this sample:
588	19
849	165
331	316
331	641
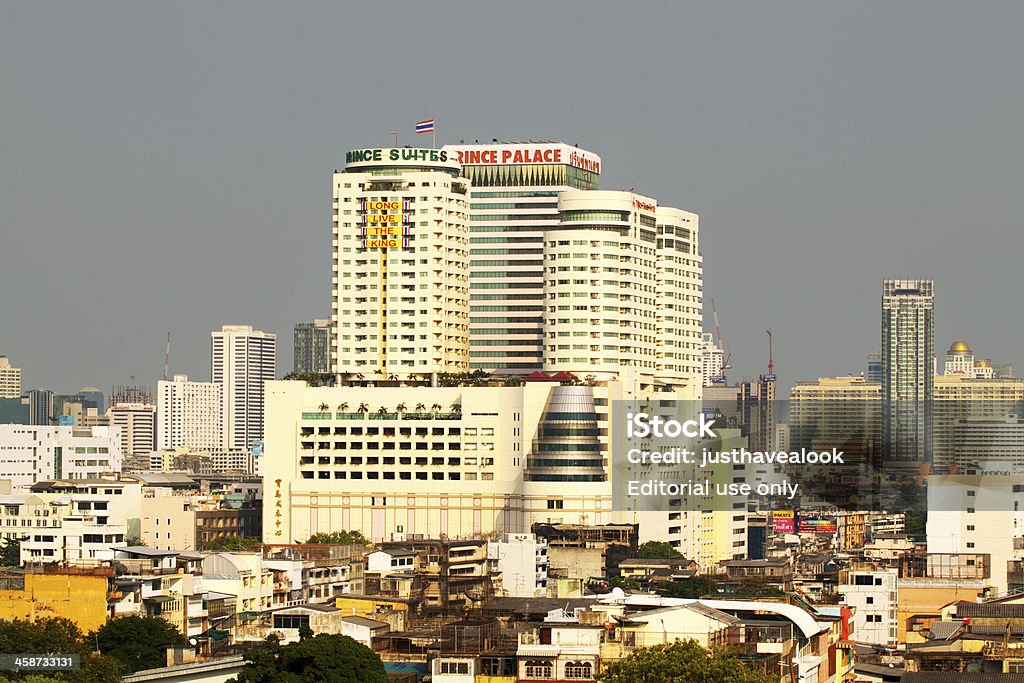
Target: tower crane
727	355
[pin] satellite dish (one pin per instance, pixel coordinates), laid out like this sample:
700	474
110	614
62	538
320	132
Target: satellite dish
618	593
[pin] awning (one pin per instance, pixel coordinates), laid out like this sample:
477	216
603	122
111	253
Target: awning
160	598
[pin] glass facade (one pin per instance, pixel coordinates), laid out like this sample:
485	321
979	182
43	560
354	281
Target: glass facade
568	444
507	228
531	175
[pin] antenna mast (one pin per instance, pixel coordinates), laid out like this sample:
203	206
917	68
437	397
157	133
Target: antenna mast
167	355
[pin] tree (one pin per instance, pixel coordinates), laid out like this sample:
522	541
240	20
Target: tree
138	642
59	636
339	538
658	550
683	661
690	588
324	658
313	379
44	635
916	524
98	668
10	553
757	585
229	544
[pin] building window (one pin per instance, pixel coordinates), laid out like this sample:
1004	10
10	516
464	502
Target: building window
446	667
578	670
291	620
538	668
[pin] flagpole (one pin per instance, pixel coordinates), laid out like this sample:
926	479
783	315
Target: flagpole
433	135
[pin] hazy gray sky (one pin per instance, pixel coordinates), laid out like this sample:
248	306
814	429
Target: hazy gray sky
166	166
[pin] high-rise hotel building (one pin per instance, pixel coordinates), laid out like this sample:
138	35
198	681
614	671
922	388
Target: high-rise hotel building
565	277
513	203
400	300
622	284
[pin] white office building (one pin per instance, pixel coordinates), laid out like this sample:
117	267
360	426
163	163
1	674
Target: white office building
190	414
712	360
872	593
520	561
31	453
400	294
10	379
137	422
243	359
977	514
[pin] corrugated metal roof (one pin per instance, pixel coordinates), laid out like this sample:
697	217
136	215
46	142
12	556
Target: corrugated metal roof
954	677
363	621
989	609
941	630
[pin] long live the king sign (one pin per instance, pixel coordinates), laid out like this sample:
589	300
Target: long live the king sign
387	224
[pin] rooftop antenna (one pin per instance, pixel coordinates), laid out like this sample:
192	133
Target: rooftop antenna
771	366
167	355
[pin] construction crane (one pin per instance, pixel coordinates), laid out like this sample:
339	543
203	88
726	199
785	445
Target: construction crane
771	365
727	356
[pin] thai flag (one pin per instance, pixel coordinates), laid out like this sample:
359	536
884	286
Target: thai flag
425	126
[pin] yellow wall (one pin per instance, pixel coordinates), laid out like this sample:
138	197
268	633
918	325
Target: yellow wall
927	600
82	599
367	607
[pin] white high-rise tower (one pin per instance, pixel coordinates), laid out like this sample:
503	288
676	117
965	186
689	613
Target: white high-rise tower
243	359
400	303
189	414
908	376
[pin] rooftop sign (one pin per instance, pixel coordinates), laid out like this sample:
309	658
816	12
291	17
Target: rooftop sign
401	156
526	153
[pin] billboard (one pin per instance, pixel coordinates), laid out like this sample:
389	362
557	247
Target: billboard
783	522
817	525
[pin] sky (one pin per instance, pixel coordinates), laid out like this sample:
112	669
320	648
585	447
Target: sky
166	167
